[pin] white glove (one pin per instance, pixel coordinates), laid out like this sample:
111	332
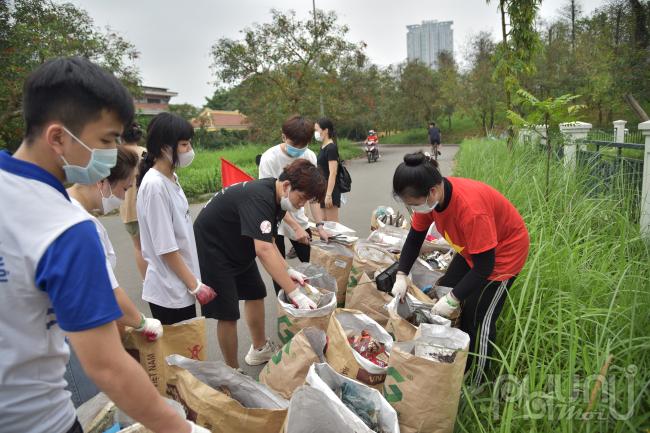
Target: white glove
151	328
203	293
446	306
300	300
399	288
197	428
296	276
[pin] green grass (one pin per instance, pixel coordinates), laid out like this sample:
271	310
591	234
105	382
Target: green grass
584	294
204	175
461	127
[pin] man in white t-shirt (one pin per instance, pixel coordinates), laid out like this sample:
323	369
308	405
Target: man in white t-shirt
54	281
297	132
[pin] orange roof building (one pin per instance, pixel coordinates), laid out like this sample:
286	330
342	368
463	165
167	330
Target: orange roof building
214	120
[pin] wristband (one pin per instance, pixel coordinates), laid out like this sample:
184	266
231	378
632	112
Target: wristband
142	320
198	286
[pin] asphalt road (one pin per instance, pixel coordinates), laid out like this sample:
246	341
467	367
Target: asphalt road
371	187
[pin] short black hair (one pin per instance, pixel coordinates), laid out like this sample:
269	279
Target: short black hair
164	130
416	176
74	91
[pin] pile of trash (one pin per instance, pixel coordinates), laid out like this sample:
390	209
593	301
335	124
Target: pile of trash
362	361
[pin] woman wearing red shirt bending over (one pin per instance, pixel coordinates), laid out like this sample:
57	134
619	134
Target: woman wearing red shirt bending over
488	234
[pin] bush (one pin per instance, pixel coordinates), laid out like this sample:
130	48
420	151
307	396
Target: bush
582	296
204	175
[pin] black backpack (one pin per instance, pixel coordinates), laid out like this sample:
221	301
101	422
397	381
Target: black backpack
343	178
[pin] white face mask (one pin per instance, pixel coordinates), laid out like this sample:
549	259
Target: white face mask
317	136
286	204
424	207
185	159
110	203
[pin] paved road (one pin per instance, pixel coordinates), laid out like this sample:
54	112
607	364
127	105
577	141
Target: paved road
371	187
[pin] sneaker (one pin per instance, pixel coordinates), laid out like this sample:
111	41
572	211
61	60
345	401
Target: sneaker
292	253
261	355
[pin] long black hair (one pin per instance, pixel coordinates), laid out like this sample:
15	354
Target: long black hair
132	133
416	176
164	131
326	123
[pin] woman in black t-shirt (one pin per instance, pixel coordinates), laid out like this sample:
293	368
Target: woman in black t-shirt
328	158
238	225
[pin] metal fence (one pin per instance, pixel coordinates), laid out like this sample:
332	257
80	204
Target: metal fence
631	137
612	169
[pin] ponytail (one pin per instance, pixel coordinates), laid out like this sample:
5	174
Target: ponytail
416	176
145	164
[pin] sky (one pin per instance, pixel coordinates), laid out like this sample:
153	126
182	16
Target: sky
174	37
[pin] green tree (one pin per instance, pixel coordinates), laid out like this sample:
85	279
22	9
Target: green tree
448	81
549	113
418	91
186	111
519	41
223	99
284	65
32	31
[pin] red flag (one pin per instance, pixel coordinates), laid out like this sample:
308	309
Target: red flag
231	174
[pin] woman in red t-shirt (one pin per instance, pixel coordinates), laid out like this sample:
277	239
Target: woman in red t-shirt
487	233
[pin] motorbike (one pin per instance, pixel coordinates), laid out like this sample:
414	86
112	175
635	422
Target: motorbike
371	151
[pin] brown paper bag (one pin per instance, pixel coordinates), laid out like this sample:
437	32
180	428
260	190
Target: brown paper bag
337	261
366	298
369	259
288	368
222	400
215	410
397	326
425	393
186	338
292	320
343	358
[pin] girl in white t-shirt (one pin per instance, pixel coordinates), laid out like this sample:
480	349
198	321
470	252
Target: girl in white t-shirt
104	197
172	280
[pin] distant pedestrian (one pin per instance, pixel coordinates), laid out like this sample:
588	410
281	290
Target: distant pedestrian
328	158
434	139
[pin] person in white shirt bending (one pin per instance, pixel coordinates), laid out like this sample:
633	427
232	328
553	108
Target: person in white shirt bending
172	280
297	132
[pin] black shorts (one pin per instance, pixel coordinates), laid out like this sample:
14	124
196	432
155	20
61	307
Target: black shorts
434	142
231	288
336	198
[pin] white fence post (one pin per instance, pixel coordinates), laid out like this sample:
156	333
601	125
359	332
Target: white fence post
619	131
573	131
645	189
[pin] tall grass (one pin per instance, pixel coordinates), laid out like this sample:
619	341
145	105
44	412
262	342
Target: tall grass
204	175
583	295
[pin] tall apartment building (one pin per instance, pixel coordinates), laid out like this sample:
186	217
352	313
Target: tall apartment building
425	41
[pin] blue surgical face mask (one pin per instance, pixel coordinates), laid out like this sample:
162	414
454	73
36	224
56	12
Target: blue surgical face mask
294	152
99	165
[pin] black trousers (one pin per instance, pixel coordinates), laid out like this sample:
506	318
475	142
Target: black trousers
480	311
302	251
76	427
169	316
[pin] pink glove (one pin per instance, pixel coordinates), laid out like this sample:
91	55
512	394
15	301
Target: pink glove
203	293
151	328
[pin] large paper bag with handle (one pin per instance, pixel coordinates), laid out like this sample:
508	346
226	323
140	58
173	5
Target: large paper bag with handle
185	338
370	259
366	298
222	400
288	368
336	259
405	317
347	361
424	379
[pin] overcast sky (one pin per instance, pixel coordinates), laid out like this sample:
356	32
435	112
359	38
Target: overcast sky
174	37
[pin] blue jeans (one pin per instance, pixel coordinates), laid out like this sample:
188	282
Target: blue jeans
80	385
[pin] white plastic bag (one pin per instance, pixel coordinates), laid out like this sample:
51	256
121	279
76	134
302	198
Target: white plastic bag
323	378
312	411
